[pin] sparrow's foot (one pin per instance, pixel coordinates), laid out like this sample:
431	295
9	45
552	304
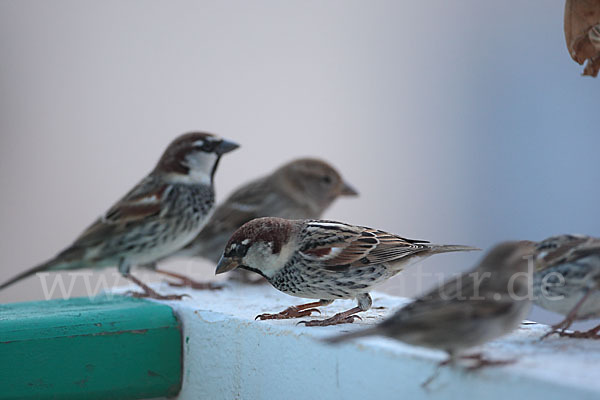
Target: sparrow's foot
154	295
346	317
559	328
482	362
591	334
331	321
571	316
288	313
184	281
196	285
425	384
552	332
151	293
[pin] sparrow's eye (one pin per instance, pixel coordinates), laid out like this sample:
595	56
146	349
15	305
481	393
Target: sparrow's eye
205	145
326	179
237	250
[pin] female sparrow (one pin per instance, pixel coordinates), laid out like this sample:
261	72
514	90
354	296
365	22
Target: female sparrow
300	189
323	260
161	214
567	281
476	307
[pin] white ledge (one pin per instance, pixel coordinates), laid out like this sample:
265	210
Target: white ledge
229	355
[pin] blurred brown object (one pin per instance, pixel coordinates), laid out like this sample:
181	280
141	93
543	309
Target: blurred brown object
582	33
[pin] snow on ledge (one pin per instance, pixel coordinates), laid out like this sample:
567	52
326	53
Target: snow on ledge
229	355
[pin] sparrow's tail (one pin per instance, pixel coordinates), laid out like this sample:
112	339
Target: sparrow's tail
375	330
29	272
60	262
449	248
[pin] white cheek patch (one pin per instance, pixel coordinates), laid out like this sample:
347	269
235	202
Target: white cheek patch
263	259
200	165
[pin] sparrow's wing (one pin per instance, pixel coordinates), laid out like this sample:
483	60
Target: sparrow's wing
560	249
586	258
340	245
446	315
466	297
591	248
142	202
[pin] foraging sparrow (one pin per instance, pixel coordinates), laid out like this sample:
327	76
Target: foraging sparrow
302	188
323	260
476	307
161	214
567	281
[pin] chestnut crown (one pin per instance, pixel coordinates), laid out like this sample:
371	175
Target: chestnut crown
195	154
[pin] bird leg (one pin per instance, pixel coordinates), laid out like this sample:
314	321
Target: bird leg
590	334
484	362
303	310
346	317
187	282
450	360
149	292
571	316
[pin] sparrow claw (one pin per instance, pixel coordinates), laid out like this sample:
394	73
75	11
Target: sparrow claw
173	297
559	328
591	334
311	310
481	362
131	293
484	362
551	332
196	285
156	296
331	321
265	316
288	313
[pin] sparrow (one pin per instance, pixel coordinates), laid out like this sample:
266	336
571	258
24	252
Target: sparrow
478	306
567	281
161	214
323	260
582	33
301	189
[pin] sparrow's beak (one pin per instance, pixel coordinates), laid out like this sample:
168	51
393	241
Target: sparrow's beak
225	147
348	190
226	264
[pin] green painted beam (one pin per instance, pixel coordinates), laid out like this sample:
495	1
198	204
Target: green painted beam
105	347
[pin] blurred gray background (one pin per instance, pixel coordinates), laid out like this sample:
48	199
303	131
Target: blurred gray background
459	122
